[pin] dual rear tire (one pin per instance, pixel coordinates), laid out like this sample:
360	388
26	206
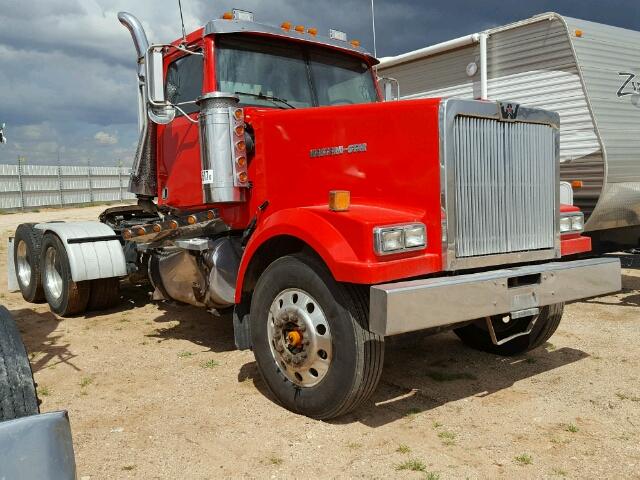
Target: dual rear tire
44	274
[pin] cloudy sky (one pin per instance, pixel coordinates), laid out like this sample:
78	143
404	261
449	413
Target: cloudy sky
67	67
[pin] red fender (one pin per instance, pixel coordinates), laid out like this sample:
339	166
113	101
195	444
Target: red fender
327	232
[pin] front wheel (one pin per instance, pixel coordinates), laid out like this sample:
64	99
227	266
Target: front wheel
310	339
476	335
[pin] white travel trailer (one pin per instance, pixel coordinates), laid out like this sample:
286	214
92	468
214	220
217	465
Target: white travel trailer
588	72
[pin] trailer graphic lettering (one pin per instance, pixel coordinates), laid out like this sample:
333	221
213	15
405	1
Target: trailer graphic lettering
339	150
630	86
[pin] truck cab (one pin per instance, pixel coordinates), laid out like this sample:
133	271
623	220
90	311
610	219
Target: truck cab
273	182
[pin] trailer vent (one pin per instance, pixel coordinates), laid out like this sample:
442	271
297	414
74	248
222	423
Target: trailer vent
505	186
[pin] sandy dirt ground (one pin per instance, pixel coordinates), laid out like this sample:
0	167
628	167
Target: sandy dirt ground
158	391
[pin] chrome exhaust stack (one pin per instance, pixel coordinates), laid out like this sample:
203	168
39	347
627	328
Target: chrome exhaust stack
143	182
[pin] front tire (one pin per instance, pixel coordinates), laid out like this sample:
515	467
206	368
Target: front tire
64	296
310	339
477	336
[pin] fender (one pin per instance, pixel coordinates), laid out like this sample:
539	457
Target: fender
93	249
327	233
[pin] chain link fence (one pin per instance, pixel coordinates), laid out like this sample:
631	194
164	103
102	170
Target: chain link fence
30	186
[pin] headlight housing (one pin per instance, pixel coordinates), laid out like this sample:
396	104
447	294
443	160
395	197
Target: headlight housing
571	222
399	238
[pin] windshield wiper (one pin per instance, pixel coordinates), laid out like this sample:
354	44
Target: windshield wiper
271	98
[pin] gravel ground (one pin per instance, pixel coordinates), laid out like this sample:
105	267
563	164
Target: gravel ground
158	391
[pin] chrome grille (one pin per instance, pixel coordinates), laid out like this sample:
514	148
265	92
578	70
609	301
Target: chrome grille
505	186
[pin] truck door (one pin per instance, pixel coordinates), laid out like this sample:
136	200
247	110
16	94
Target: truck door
178	143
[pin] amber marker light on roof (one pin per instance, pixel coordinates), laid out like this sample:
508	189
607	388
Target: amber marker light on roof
577	184
299	28
339	200
286	26
227	16
578	32
313	31
355	43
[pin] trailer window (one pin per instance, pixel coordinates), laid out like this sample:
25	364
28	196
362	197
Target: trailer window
184	82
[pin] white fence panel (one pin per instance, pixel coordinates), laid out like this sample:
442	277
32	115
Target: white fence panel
28	186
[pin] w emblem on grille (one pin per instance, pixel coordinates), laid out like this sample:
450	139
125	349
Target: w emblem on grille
509	110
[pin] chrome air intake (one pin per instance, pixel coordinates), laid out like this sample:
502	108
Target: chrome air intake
500	178
222	148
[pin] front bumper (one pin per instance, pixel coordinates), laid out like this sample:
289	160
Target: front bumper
436	302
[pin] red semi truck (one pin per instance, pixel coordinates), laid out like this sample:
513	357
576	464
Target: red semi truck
273	182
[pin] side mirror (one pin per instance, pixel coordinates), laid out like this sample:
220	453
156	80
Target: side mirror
160	110
390	88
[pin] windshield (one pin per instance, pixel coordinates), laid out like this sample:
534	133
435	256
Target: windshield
288	75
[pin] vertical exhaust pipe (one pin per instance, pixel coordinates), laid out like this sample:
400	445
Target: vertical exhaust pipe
143	182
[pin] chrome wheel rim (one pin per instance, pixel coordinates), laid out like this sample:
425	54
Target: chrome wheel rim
23	264
299	337
52	276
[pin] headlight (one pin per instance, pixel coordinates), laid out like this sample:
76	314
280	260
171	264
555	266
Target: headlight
571	222
399	238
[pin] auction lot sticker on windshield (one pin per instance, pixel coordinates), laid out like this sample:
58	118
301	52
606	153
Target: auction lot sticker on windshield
207	177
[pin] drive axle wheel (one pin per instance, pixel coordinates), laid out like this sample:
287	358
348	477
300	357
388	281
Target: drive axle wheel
65	297
26	254
310	338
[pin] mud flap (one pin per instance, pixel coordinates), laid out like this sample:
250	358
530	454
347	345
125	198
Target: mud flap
241	328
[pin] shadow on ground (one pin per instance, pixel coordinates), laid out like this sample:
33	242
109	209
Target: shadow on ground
435	370
43	345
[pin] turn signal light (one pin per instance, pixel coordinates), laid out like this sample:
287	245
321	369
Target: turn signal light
577	184
578	33
243	177
339	200
239	130
355	43
238	114
242	162
156	227
313	31
210	215
141	231
191	219
299	28
227	16
126	234
286	26
173	225
241	146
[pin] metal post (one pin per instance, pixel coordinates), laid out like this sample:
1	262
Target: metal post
120	179
90	182
60	184
60	180
20	186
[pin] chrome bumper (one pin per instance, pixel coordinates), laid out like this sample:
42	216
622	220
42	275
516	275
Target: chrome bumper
435	302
